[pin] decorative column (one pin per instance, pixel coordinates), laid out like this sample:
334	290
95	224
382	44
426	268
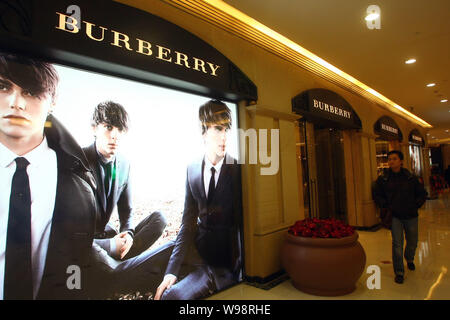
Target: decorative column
270	201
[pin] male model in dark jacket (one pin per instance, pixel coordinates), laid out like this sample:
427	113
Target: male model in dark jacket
112	173
207	252
47	202
400	192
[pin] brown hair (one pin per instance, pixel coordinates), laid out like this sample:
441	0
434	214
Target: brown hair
214	112
36	76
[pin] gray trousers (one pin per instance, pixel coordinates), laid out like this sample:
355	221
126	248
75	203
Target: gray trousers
410	228
140	270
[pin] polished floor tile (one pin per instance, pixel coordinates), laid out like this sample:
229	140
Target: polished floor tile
430	280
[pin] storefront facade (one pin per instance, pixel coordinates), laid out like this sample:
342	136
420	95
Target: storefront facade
263	85
327	125
389	138
416	145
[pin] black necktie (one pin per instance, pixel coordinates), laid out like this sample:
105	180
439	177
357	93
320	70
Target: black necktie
18	283
212	185
108	178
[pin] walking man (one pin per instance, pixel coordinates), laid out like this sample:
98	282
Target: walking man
400	192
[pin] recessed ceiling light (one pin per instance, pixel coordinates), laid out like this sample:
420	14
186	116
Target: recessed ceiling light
410	61
444	100
431	84
372	16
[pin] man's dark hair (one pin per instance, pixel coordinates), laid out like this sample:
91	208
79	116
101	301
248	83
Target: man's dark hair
214	112
397	152
111	113
36	76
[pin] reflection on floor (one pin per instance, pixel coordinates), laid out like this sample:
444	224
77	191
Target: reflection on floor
430	280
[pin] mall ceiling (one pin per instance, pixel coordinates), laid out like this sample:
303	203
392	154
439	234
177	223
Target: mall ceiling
337	32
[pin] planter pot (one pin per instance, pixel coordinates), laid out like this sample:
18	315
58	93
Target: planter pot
323	267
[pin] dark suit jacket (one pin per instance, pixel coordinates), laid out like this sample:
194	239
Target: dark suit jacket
120	191
73	221
214	229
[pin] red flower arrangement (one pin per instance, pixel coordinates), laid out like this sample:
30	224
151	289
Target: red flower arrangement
321	228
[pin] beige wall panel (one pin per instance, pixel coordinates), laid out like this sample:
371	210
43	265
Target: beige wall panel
248	199
370	216
367	168
349	154
367	213
267	253
373	161
268	188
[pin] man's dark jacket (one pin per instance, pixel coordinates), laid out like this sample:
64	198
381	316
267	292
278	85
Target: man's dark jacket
402	193
120	191
73	221
214	229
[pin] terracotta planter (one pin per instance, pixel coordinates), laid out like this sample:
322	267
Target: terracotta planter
323	267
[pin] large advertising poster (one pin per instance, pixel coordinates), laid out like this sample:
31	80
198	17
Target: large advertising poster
114	188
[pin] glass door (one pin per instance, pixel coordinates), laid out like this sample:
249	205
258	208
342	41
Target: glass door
330	167
302	163
321	155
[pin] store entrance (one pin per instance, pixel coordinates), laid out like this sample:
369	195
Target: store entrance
325	179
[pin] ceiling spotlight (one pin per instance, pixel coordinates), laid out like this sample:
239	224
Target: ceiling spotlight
410	61
431	84
372	16
444	100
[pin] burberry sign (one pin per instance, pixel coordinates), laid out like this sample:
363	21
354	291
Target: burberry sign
144	47
331	109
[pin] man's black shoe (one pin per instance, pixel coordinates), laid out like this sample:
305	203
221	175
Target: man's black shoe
399	278
411	266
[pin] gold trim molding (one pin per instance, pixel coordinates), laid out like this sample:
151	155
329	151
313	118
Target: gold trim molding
266	111
239	24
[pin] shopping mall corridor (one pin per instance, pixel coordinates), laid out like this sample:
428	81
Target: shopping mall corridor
430	280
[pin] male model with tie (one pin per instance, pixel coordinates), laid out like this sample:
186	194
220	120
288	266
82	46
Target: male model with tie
47	202
207	253
112	172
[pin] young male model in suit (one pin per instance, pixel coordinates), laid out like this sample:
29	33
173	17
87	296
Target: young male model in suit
207	253
112	173
47	202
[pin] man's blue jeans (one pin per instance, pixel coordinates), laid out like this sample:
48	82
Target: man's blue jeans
411	228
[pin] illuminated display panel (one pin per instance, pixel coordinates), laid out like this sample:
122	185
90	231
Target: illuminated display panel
164	137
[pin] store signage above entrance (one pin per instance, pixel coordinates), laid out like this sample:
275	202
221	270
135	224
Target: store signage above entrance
112	38
416	138
387	129
327	108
